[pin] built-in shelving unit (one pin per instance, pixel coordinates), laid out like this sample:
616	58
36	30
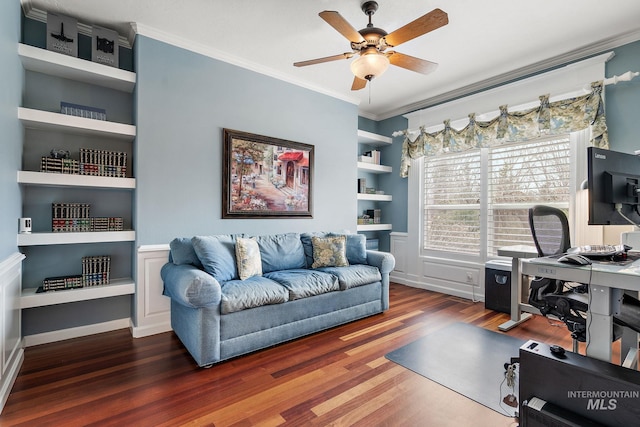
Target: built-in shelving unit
31	298
373	140
56	65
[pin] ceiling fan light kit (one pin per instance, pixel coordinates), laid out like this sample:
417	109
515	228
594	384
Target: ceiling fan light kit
369	65
371	43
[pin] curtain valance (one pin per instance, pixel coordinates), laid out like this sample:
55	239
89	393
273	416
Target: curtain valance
548	118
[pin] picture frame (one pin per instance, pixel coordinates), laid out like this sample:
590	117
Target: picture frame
266	177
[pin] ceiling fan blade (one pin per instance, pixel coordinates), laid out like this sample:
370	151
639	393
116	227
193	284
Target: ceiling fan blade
358	83
341	25
346	55
426	23
411	63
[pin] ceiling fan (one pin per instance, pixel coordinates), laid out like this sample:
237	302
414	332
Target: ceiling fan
371	44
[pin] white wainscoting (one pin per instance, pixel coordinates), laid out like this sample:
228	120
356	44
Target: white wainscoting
10	323
459	278
152	310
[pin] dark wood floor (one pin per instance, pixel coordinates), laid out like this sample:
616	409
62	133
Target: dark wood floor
337	377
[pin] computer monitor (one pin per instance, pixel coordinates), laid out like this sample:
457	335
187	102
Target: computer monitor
614	183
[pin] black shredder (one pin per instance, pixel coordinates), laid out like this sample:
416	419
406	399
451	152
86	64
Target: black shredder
497	285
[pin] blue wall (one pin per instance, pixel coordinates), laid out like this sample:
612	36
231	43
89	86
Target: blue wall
184	100
622	100
10	94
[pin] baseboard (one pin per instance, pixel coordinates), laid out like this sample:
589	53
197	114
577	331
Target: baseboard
80	331
10	375
148	330
440	289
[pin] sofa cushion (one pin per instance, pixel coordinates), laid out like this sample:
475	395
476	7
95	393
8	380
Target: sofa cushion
182	252
281	252
354	275
356	248
217	255
329	251
303	283
248	258
252	292
305	238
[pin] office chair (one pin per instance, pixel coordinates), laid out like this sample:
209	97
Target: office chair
566	301
569	302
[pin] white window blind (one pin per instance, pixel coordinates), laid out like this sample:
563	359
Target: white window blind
515	177
520	176
452	202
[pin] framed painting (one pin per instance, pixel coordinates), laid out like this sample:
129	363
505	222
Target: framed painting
265	177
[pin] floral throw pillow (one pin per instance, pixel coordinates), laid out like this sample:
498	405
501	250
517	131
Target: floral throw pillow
248	258
329	251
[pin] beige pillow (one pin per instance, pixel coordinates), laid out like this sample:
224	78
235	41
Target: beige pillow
329	251
248	258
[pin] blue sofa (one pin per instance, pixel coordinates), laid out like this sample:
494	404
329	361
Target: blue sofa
231	294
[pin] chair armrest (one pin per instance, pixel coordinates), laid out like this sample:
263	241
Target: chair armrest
383	260
190	286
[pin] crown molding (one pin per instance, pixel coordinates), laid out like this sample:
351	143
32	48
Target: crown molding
556	61
84	29
199	48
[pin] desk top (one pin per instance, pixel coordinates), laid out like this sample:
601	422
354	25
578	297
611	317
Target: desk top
622	275
518	251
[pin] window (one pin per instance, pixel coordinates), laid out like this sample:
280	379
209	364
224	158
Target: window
512	177
452	202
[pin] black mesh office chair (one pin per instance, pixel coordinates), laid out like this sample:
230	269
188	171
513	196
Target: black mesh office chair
568	301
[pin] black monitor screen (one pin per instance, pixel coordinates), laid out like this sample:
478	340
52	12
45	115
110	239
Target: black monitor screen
614	179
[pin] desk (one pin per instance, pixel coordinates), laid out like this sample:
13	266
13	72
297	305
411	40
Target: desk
607	282
516	253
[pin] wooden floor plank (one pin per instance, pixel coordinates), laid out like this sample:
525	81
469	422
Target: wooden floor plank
336	377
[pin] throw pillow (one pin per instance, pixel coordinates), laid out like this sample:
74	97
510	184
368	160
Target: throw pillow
217	255
356	248
248	258
329	251
182	252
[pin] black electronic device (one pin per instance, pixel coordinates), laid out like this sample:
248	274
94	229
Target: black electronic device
577	387
613	181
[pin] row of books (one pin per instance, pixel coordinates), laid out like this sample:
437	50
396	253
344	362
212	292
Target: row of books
103	163
66	225
95	271
92	162
69	217
83	111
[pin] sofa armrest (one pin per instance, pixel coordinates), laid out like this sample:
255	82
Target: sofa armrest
190	286
383	260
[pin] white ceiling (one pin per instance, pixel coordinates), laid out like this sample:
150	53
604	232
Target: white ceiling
485	42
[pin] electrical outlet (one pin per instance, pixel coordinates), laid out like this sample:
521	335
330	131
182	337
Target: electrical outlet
469	277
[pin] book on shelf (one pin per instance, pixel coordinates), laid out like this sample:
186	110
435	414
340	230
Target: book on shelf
372	157
362	185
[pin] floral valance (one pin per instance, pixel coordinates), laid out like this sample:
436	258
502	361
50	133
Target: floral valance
548	118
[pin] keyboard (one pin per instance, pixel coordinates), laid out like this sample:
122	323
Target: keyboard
599	251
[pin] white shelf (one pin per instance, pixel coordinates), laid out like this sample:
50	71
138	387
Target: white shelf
373	139
64	238
48	121
47	179
374	227
375	197
31	299
373	168
68	67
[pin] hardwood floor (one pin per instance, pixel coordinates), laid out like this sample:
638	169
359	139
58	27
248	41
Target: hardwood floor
337	377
